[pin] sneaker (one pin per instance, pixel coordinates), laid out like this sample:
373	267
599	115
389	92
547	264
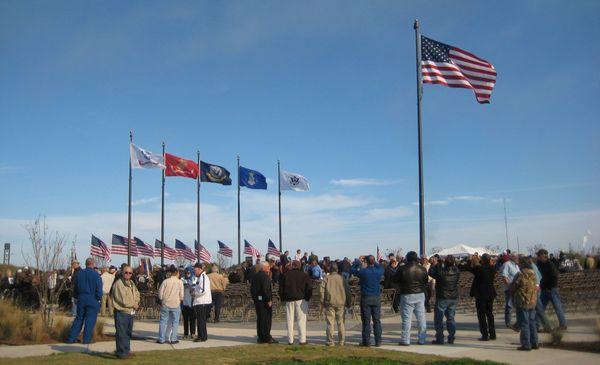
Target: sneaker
377	344
362	344
174	342
562	328
451	341
403	344
523	348
436	342
492	337
159	342
535	347
274	341
330	344
483	339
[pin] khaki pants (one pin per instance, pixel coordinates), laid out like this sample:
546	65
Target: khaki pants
106	301
336	314
296	310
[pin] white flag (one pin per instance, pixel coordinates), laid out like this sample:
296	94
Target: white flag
142	159
293	181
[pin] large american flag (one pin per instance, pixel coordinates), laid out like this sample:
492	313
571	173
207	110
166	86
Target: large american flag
143	248
250	250
202	252
272	249
119	245
454	67
379	256
169	253
99	248
225	250
183	250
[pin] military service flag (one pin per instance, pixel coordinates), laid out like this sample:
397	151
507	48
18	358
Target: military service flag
252	179
177	166
214	174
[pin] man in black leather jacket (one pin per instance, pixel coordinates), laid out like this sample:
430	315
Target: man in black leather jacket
413	279
446	276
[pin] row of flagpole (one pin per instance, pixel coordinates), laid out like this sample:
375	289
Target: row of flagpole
437	63
174	166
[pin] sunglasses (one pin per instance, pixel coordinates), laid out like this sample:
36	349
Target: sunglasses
127	273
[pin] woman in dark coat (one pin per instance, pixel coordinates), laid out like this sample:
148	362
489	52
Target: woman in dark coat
484	292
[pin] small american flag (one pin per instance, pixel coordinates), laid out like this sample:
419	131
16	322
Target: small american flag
99	248
170	253
379	257
272	249
454	67
202	252
250	250
143	248
184	251
119	245
225	250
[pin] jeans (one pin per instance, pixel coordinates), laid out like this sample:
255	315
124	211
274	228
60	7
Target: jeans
527	322
409	304
74	307
508	306
540	315
370	308
217	302
445	307
552	295
123	331
169	319
87	313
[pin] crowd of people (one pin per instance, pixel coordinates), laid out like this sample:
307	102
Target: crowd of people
195	293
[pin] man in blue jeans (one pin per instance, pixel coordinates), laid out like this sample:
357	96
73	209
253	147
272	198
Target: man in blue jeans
446	276
87	288
170	294
370	301
508	272
413	280
549	287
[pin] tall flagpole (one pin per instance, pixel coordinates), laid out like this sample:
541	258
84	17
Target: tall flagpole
129	206
162	213
239	225
279	197
198	208
420	132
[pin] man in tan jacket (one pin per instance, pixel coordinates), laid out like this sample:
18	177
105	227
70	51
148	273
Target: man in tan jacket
170	294
335	295
218	284
126	300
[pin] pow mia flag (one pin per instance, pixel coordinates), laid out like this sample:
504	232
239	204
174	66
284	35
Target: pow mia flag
214	174
293	181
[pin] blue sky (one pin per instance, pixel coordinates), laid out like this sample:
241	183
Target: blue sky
327	87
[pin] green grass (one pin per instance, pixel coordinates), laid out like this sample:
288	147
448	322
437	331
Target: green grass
253	354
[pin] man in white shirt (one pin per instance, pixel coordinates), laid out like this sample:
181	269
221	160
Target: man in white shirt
509	271
202	300
298	256
107	282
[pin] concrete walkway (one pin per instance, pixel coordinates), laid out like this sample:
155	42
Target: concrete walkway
466	345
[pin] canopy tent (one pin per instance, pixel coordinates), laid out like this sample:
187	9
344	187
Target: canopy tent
462	250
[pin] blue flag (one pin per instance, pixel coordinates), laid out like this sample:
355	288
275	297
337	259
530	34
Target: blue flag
252	179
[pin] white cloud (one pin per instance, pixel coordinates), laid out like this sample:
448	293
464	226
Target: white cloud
363	182
380	214
153	199
466	197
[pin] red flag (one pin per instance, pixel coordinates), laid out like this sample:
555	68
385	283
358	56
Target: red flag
177	166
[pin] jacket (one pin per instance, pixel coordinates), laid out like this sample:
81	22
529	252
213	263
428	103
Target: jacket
170	292
335	291
370	279
388	276
295	285
482	286
549	275
524	289
260	287
218	282
446	281
412	278
87	285
107	281
125	296
201	291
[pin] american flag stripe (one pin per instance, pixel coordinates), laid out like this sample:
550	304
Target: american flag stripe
250	250
224	249
202	253
453	67
119	245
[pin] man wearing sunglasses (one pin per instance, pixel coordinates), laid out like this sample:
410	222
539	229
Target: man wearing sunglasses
126	300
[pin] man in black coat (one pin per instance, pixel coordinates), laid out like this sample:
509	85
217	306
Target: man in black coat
295	290
484	292
262	294
388	282
549	287
446	276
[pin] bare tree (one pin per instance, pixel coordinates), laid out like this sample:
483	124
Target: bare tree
47	257
534	249
495	249
396	251
222	261
435	250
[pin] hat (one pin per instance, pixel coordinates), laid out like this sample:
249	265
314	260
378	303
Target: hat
199	265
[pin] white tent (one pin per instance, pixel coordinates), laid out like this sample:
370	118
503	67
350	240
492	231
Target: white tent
462	250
